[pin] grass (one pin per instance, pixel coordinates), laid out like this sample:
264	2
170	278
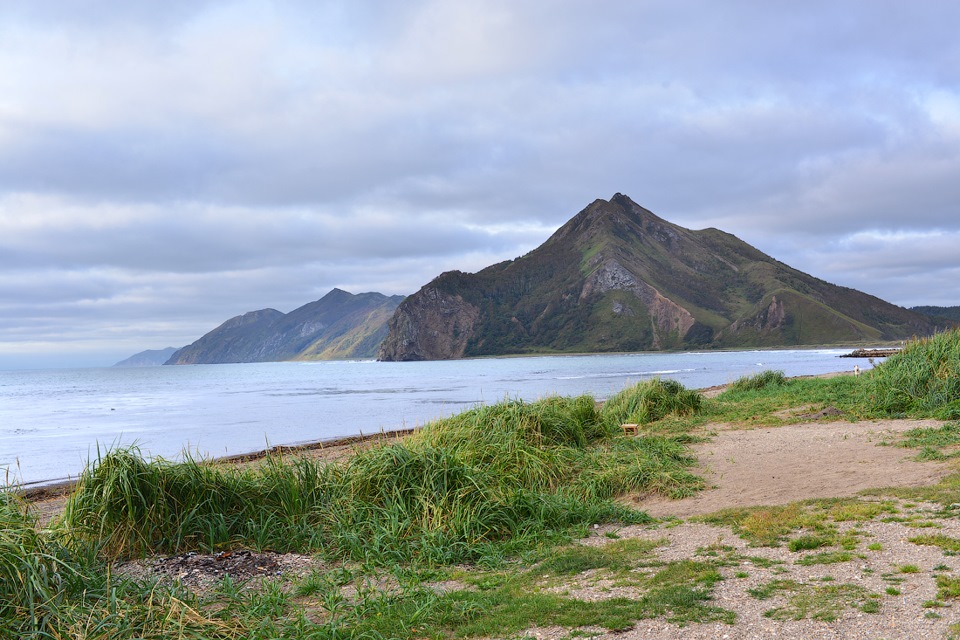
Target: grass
948	587
759	381
778	404
935	443
818	602
946	493
50	588
948	544
32	567
770	526
650	401
512	471
827	557
618	556
809	542
678	591
922	379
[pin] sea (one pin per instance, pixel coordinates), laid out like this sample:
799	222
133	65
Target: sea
55	422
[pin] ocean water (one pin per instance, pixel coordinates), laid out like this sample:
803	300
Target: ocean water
52	422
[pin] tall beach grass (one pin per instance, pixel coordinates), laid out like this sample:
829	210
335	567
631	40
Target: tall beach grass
506	472
650	401
922	379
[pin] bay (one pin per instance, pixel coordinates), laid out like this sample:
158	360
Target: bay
52	422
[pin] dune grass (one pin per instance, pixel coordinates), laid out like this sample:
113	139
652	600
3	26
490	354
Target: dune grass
31	568
649	401
50	588
507	472
922	379
759	381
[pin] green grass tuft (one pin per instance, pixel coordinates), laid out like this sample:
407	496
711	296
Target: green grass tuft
922	379
762	380
938	540
650	401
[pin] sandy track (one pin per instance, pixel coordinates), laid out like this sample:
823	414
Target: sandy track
778	465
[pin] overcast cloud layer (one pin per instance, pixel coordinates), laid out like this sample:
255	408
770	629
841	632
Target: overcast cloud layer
165	166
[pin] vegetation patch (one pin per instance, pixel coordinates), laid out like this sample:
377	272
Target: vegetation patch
759	381
935	443
823	602
922	379
619	556
775	404
948	544
650	401
827	557
678	591
948	587
809	542
946	493
512	471
52	588
770	526
484	486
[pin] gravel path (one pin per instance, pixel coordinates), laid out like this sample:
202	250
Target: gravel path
777	466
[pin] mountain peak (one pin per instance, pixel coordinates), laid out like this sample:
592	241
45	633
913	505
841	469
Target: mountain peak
335	294
616	277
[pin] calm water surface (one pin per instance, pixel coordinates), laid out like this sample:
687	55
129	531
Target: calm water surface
53	421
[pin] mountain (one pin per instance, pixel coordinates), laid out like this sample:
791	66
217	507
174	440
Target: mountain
340	325
148	358
939	313
618	278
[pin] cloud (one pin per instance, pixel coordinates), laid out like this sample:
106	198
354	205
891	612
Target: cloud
166	167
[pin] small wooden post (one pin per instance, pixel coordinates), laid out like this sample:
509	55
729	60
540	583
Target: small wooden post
630	429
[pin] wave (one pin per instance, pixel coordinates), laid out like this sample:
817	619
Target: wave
627	374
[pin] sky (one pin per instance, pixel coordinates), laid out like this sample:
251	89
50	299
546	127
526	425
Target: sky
165	166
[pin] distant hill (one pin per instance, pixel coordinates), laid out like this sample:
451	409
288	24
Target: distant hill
148	358
618	278
948	313
340	325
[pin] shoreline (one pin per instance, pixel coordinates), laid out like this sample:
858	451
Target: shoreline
40	490
45	489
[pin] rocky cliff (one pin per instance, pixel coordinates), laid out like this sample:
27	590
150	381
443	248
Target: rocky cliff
616	277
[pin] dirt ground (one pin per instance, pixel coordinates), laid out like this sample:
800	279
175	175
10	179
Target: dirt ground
778	465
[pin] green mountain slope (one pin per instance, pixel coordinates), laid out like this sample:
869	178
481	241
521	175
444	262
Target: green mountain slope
338	326
618	278
939	313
